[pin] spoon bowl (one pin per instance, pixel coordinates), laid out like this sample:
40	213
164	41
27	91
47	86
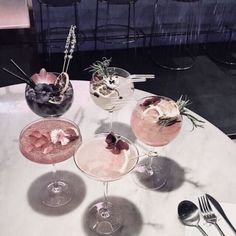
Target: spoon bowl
189	215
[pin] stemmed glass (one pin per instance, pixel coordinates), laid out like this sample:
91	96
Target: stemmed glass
107	157
111	88
49	141
51	95
155	121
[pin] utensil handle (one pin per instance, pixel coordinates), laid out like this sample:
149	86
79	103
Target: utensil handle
219	229
202	230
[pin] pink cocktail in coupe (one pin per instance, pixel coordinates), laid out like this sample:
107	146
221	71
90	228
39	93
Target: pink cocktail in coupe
49	141
106	157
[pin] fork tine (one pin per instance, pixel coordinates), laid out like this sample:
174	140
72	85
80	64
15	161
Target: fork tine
200	204
208	204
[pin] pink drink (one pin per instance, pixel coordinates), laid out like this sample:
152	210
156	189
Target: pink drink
96	160
48	141
149	120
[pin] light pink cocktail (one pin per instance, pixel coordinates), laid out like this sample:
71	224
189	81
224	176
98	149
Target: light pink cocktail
106	157
148	120
155	121
96	160
49	141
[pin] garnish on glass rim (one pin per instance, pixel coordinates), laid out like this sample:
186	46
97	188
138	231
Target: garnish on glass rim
100	68
182	110
182	104
115	144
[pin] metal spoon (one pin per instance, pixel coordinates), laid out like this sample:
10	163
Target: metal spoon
189	215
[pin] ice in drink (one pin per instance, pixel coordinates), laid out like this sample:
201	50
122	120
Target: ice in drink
49	141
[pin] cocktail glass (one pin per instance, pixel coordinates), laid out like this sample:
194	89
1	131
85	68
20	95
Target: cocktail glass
106	158
155	121
52	94
49	141
113	91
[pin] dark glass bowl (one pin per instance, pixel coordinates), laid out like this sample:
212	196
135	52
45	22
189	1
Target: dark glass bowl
48	103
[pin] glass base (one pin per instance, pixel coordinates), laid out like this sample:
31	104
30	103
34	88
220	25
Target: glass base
152	176
104	218
57	193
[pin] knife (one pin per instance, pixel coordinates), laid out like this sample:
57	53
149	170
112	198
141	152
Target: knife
219	208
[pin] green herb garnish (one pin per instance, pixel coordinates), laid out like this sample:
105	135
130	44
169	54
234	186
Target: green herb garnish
182	104
101	67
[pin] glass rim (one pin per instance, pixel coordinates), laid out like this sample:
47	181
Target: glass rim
48	92
52	119
94	177
150	96
115	67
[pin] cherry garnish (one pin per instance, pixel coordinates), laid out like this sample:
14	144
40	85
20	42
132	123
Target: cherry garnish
115	144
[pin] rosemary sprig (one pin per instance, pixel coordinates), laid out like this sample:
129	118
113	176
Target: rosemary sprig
182	104
100	67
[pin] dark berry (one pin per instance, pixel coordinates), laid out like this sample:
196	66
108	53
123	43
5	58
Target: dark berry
155	100
115	150
122	145
111	138
149	101
110	146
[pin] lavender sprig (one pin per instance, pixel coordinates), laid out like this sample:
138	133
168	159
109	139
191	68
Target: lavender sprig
69	48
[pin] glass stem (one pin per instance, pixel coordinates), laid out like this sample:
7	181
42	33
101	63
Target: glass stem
105	194
56	188
110	120
105	213
152	154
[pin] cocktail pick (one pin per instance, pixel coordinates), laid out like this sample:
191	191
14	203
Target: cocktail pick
69	48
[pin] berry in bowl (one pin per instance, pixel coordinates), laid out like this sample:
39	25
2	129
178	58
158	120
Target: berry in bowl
52	94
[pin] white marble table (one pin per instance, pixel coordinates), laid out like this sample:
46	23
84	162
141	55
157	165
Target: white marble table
14	14
201	161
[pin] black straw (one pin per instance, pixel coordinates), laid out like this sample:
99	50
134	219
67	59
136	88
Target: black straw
17	76
32	83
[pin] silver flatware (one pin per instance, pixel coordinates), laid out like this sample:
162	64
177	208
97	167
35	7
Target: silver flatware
208	214
189	215
218	207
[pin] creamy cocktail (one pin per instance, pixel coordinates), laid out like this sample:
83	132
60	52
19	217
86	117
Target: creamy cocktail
112	92
106	157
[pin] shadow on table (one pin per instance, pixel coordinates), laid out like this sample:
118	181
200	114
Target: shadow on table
118	127
132	218
173	173
78	189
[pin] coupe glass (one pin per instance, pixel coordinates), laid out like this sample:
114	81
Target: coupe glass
50	97
112	92
49	141
155	121
106	158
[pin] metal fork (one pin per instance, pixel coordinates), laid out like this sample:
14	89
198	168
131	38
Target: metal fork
208	214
